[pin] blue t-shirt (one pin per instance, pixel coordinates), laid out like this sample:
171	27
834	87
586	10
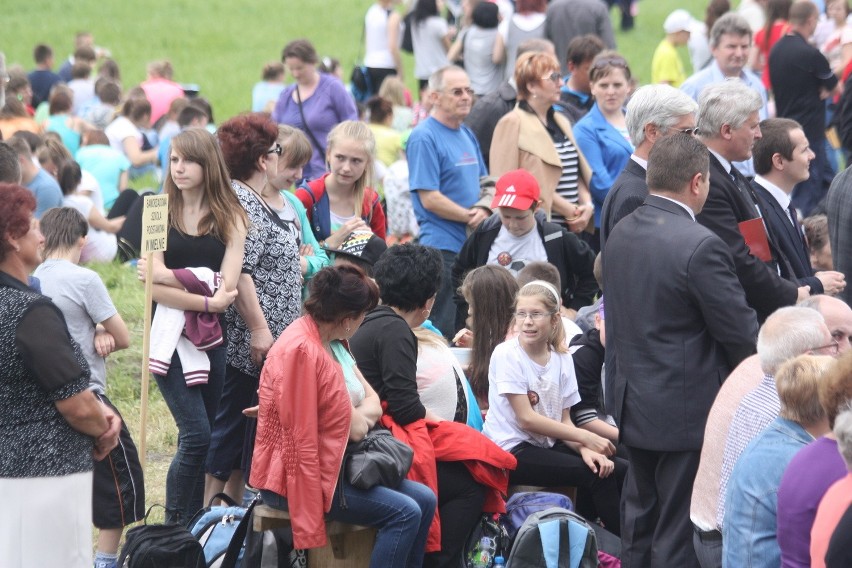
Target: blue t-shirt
447	160
46	191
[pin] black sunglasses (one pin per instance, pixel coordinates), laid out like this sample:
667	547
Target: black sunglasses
277	150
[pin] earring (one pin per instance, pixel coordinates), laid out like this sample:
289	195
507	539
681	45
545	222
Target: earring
347	329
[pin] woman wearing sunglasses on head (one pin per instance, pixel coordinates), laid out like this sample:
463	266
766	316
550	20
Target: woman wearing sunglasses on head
535	138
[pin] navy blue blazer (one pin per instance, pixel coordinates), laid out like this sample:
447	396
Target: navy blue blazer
790	243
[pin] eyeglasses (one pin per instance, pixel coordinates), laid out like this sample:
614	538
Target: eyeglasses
555	77
691	131
833	348
459	91
521	317
277	150
606	61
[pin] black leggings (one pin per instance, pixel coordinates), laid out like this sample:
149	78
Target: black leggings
560	465
460	501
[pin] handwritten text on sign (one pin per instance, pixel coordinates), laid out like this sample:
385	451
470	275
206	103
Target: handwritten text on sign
155	225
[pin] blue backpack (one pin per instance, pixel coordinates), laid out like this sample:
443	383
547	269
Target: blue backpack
521	505
222	531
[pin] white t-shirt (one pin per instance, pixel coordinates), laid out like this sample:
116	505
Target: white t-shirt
377	53
551	389
436	379
514	253
89	183
122	128
100	246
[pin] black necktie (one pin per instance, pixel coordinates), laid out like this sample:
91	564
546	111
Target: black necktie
745	190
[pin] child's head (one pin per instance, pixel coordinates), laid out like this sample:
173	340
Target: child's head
393	89
62	227
537	315
381	110
516	198
540	270
350	155
95	137
295	155
69	177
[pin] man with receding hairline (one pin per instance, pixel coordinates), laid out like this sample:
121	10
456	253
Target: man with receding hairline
677	323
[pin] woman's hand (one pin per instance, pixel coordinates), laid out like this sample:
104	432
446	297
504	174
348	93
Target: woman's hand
336	239
358	426
220	301
251	412
598	444
261	343
580	221
464	338
105	443
601	465
159	273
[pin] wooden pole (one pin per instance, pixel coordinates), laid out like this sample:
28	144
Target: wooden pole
146	375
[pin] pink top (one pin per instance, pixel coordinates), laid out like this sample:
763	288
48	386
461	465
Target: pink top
837	499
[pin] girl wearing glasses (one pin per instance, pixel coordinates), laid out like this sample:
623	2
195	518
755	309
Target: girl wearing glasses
535	138
207	229
532	387
342	201
602	134
270	293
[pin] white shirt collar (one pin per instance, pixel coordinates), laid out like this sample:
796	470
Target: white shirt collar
640	161
782	198
684	205
725	163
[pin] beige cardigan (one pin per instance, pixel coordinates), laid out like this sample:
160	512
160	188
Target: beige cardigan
522	142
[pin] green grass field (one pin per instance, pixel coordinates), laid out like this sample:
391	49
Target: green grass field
222	46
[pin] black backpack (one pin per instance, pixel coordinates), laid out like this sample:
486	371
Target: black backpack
161	546
489	526
554	537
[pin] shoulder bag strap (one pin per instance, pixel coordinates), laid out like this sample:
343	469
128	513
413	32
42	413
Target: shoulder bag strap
310	134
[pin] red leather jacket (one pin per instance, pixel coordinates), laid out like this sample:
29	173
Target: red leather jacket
302	428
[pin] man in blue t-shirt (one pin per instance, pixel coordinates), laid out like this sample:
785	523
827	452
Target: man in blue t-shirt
445	165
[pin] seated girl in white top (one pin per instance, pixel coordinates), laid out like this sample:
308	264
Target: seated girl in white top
531	388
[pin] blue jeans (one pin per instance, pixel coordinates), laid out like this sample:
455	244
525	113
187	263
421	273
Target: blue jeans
194	409
403	517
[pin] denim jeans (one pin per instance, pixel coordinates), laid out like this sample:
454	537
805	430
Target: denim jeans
194	409
403	517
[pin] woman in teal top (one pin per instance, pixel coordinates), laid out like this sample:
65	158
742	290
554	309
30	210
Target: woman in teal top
60	120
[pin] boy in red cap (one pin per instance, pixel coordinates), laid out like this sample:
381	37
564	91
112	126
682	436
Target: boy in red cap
517	235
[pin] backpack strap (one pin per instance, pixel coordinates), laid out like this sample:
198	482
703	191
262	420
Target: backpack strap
239	537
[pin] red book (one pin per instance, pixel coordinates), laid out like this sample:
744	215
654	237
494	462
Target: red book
754	233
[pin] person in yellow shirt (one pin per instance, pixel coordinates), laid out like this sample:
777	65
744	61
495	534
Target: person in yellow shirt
666	66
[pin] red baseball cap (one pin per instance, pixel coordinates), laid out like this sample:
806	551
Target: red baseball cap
517	189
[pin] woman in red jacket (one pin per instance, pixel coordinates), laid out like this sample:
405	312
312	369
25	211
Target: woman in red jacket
313	400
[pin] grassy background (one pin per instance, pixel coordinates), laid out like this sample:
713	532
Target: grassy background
222	47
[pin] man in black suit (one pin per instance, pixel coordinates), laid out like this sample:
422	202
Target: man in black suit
654	111
781	159
678	322
728	124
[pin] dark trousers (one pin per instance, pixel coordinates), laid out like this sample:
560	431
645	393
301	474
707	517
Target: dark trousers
560	465
377	75
228	443
655	525
460	500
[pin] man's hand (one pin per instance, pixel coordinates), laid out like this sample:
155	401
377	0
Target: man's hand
476	215
833	282
804	293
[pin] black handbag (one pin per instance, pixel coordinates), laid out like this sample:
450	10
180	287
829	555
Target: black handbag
378	459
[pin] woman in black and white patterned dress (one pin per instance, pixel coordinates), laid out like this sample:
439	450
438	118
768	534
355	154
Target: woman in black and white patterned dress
269	296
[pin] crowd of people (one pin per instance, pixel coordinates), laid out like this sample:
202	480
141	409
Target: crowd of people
648	282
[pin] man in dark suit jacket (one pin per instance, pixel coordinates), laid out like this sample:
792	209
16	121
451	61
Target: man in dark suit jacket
728	124
678	322
654	111
781	160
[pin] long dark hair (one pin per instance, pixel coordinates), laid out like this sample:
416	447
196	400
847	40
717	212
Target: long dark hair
490	292
424	9
775	10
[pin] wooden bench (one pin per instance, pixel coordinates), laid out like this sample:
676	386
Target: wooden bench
349	546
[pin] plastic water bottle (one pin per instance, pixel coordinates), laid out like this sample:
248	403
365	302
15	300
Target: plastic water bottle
499	562
484	555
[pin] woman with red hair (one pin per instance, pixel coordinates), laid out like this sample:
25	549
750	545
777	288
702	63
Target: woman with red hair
270	292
